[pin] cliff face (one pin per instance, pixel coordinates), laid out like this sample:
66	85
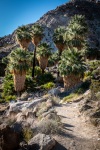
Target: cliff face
60	17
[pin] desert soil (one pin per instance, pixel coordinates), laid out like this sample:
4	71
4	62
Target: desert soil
78	134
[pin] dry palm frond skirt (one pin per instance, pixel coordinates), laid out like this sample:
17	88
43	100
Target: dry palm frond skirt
36	40
19	81
60	46
24	43
70	81
43	62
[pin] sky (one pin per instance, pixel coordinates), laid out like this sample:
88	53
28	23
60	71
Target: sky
14	13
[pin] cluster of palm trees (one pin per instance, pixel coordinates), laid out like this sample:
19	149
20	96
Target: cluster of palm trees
69	42
20	59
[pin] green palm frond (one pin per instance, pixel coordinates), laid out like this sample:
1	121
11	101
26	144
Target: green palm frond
23	32
58	35
44	50
36	30
71	62
19	60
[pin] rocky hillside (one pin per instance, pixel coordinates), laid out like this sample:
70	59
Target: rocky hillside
60	17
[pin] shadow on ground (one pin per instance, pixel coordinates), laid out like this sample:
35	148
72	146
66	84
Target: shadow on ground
59	147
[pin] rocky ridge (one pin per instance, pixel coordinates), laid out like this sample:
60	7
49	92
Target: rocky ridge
60	17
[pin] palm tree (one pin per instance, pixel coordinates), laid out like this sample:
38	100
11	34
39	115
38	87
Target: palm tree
19	63
71	67
76	32
37	35
58	39
23	37
43	53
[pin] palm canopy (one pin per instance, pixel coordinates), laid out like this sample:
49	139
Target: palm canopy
71	63
75	34
22	33
58	35
79	19
36	30
44	50
19	61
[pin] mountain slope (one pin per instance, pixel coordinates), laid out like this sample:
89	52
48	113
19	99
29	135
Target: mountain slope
60	17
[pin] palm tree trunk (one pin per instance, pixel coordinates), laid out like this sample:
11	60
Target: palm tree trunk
19	81
33	70
43	62
70	81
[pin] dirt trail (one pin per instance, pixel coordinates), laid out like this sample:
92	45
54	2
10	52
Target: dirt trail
77	134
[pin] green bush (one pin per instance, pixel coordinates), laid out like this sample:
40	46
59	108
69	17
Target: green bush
30	84
27	134
49	126
8	88
48	86
95	86
45	78
85	86
38	71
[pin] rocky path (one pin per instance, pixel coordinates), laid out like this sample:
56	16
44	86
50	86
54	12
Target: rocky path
77	133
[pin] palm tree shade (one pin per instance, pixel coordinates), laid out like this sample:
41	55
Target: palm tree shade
71	67
19	63
23	37
37	35
43	53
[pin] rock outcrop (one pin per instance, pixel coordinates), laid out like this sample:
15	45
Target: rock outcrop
60	17
9	139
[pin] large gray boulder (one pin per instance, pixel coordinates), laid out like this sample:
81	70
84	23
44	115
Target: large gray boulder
42	142
55	91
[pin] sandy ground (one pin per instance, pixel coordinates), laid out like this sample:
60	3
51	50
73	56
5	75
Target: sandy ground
77	133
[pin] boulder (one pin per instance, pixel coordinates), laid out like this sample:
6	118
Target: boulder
55	91
42	142
9	139
23	106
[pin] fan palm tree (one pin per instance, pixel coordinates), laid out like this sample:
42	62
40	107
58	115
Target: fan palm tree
58	39
37	35
43	53
76	32
71	67
23	37
19	63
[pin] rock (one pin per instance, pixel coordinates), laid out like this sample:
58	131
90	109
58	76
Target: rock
9	139
21	106
49	103
85	107
55	91
42	141
24	96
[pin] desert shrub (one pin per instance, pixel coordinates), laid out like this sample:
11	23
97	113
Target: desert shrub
85	86
45	78
10	97
30	83
70	97
27	134
49	126
38	71
55	99
93	70
95	86
8	88
42	108
48	86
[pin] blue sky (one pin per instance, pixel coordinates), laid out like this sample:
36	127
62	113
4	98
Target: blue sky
14	13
